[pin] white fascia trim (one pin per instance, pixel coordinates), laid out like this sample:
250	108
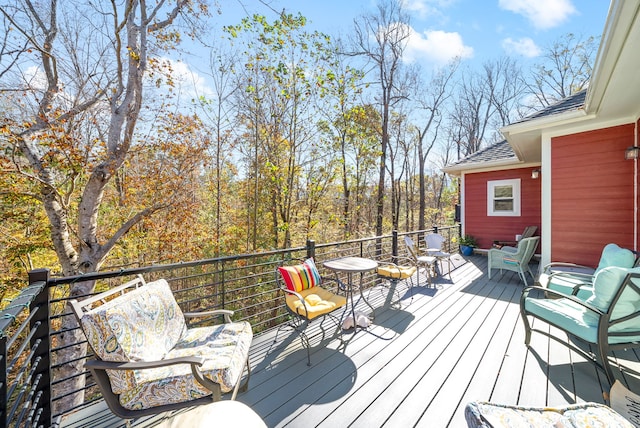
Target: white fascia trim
546	122
589	126
463	218
616	31
545	205
482	166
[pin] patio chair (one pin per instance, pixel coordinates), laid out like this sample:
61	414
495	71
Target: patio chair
609	319
514	259
528	232
571	278
434	242
392	273
148	360
306	299
428	262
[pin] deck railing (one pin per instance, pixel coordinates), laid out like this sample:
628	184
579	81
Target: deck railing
31	333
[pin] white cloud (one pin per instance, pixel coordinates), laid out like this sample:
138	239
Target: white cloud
525	47
543	14
35	78
426	8
190	82
436	47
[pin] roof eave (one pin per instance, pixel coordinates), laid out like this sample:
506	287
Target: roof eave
545	122
458	169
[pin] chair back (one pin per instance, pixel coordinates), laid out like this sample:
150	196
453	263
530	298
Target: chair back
528	232
411	247
528	247
434	241
616	291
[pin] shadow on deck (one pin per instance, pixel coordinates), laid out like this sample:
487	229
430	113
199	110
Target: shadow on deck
429	351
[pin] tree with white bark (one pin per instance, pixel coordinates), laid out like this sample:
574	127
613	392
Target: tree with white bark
74	75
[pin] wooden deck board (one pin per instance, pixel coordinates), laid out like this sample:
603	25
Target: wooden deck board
429	352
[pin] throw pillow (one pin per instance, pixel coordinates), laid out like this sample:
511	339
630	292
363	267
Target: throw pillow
300	277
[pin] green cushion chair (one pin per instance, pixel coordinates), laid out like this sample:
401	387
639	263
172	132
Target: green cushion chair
571	278
515	259
608	319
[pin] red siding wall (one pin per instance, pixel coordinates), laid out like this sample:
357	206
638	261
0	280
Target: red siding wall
591	193
487	229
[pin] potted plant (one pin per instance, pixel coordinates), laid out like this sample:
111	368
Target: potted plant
467	244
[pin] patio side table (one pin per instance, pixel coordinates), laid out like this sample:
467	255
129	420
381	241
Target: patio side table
350	266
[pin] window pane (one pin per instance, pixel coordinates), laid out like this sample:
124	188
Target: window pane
503	192
503	205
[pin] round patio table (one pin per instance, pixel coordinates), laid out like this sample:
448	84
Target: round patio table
350	266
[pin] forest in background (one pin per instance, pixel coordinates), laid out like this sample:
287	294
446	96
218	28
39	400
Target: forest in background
105	164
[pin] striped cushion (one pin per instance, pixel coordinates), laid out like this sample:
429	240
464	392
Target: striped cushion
510	261
300	277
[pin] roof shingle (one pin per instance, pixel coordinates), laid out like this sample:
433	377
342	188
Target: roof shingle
497	152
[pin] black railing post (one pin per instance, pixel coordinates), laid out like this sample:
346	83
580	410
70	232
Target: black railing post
394	246
41	343
223	286
311	249
3	382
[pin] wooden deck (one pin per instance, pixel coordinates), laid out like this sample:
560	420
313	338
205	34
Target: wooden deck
419	364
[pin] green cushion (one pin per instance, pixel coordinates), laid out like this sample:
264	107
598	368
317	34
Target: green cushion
613	255
606	284
582	322
566	314
564	282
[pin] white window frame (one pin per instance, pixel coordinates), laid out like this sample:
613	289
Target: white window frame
515	185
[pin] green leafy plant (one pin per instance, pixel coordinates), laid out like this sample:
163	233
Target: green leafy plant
468	241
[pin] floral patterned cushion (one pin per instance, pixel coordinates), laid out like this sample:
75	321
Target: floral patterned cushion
488	415
141	325
225	348
147	324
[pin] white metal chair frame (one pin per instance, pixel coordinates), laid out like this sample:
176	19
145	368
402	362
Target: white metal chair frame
419	260
434	243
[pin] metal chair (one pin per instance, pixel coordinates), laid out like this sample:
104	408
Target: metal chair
148	361
571	278
418	260
609	319
306	299
435	243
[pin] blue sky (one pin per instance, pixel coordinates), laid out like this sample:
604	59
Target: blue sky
477	30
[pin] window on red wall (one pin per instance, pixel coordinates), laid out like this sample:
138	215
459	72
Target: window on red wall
503	198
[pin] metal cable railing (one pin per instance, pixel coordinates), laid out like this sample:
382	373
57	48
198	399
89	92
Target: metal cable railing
35	329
